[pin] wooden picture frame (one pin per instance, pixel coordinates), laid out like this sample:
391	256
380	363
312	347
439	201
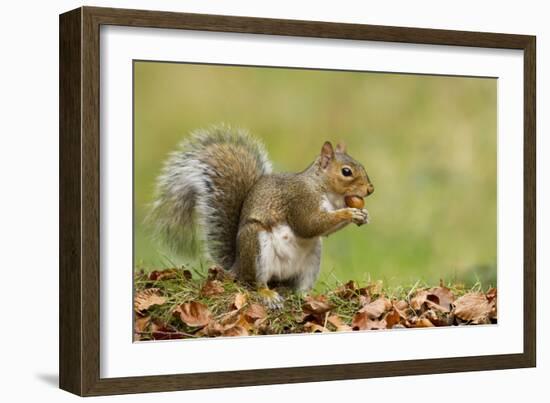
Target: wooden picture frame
80	199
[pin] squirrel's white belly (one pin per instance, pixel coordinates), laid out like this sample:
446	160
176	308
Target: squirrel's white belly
284	256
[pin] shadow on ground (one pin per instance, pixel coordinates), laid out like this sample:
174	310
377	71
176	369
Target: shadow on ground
50	379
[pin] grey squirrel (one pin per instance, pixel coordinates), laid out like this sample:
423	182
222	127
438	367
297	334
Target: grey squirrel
265	227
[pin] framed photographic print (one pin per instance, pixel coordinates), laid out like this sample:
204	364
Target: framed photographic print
249	201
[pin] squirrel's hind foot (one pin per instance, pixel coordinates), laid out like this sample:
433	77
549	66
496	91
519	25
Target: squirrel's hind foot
271	298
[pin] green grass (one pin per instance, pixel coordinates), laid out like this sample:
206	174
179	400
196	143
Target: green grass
427	142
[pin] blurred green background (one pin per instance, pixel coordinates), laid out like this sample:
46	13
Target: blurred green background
428	144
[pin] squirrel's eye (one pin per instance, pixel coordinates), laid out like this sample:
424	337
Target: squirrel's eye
346	171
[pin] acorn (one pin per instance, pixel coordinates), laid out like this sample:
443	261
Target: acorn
354	201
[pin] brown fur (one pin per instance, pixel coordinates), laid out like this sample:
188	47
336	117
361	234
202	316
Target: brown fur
296	199
220	180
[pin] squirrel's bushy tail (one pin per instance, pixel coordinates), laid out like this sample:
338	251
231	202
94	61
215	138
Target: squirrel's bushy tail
201	190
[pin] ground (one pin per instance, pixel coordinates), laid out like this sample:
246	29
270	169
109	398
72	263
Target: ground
183	302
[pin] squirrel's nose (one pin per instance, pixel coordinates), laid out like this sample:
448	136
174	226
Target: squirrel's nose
370	189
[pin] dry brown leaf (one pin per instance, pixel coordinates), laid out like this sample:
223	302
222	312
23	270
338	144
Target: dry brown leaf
439	298
218	273
212	287
444	295
234	315
493	314
376	308
392	318
438	317
229	317
364	300
474	308
433	305
166	274
243	322
404	320
193	314
236	330
347	290
239	301
418	300
145	299
315	318
491	294
423	322
300	317
141	324
254	313
362	321
402	308
337	322
316	305
425	299
401	305
212	329
492	298
162	331
315	328
238	317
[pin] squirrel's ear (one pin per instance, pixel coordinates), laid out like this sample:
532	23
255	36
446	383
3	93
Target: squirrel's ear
327	154
341	147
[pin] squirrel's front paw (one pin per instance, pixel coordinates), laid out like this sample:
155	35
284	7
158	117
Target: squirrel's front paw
359	216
